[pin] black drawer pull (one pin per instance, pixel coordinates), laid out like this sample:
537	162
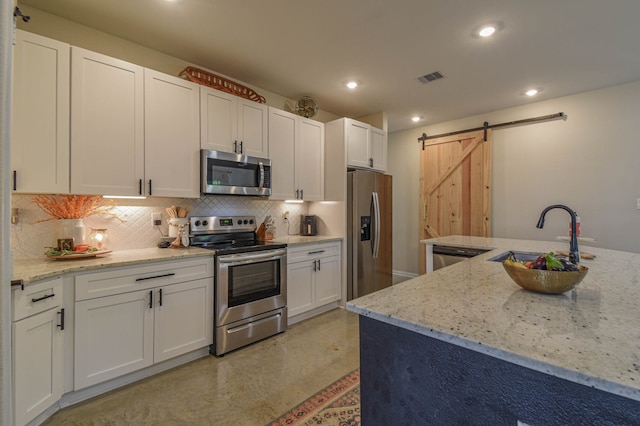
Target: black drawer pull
61	325
156	276
317	251
150	299
160	301
39	299
318	264
15	180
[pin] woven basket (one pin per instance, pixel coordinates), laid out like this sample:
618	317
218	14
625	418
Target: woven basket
220	83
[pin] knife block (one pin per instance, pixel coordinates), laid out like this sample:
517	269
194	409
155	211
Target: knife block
262	233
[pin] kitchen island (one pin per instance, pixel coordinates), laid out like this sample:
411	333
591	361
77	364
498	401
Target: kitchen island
466	345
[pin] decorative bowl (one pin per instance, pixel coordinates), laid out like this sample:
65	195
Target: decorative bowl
549	282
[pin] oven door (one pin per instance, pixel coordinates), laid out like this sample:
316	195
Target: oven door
234	174
249	284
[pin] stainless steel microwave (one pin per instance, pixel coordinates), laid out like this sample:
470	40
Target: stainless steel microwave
234	174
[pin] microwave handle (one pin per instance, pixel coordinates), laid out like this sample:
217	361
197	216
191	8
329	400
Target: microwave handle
261	183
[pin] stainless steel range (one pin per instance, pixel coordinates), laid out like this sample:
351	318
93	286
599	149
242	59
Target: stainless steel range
250	280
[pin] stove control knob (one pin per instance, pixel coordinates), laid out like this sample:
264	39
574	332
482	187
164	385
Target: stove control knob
250	221
197	223
205	222
239	221
246	221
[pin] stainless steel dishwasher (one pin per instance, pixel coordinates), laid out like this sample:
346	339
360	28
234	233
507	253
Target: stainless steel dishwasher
448	255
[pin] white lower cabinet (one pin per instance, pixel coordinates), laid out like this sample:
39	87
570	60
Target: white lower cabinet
120	333
313	276
38	339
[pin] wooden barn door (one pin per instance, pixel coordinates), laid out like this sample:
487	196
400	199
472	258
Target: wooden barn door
455	187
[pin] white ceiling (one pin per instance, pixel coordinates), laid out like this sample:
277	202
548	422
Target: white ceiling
301	47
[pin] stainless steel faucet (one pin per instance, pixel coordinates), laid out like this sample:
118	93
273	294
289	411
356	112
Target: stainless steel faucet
574	253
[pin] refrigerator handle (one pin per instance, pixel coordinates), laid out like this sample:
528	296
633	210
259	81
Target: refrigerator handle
376	225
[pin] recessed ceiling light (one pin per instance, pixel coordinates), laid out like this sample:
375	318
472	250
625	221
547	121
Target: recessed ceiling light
352	84
416	118
487	31
532	92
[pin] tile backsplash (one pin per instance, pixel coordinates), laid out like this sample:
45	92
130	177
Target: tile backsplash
30	237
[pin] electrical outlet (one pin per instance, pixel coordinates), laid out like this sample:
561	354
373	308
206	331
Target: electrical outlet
286	214
156	219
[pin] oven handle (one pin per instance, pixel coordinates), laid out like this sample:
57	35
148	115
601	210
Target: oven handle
248	258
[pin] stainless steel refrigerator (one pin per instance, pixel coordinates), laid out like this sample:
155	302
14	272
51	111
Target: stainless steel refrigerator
369	210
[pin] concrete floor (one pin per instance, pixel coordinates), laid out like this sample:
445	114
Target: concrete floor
250	386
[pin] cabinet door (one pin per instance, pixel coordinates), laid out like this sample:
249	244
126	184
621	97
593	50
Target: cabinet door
310	159
357	144
379	149
172	136
183	318
37	365
283	130
218	120
40	115
327	277
107	128
113	336
253	128
300	292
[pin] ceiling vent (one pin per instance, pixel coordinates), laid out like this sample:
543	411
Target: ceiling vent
428	78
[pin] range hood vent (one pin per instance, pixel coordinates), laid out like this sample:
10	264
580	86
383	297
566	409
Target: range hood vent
428	78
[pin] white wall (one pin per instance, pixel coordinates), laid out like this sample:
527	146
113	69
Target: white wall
590	162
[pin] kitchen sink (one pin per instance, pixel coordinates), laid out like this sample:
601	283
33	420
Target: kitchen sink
520	255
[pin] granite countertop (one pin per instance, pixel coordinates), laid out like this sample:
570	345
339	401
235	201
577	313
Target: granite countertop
589	335
40	268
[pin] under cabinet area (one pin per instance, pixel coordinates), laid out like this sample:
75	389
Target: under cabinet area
313	278
233	124
131	318
38	348
296	145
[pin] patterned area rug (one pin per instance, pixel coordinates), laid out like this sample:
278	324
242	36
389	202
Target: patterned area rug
337	405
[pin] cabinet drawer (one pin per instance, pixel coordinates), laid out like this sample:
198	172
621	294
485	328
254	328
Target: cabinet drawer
37	297
127	279
313	251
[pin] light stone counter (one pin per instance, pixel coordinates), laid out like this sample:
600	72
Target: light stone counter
41	268
590	335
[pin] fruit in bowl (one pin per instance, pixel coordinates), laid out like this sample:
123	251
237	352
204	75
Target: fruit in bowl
81	247
546	274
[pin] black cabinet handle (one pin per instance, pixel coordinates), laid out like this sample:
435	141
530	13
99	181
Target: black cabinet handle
160	291
39	299
318	264
235	147
150	187
61	325
150	299
156	276
316	252
302	194
139	186
314	266
15	180
241	149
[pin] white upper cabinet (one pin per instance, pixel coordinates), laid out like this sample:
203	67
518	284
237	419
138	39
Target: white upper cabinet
296	145
310	159
107	125
366	146
233	124
172	136
40	115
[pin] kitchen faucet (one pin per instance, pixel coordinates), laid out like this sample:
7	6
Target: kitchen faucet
574	253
